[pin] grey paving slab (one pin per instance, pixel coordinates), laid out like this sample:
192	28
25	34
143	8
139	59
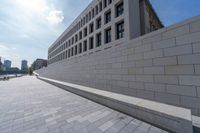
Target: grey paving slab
29	105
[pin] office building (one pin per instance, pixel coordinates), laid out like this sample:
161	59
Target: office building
161	66
24	65
104	22
7	64
39	63
1	65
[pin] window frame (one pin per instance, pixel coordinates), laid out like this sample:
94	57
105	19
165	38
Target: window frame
119	9
98	39
120	29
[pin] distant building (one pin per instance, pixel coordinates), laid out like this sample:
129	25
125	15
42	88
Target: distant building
0	64
24	65
7	64
39	63
2	67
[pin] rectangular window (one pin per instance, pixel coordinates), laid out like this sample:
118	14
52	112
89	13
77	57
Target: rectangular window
86	18
98	39
84	21
105	3
69	54
98	23
100	6
69	43
76	50
76	38
107	17
81	22
80	35
109	1
72	51
108	35
91	46
119	9
120	30
72	40
66	45
66	54
97	9
85	32
91	27
89	16
93	13
85	46
80	48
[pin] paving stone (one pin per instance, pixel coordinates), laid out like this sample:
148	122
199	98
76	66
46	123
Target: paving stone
29	105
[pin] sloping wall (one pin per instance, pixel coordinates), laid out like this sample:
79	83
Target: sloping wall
163	66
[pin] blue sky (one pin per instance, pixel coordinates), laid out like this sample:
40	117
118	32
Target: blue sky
29	27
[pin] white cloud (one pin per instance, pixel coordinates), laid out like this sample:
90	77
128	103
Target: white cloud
28	27
55	17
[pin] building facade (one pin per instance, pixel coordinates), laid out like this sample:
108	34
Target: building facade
161	66
104	22
7	64
1	65
39	63
24	65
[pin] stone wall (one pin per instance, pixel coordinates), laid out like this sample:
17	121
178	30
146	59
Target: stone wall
163	66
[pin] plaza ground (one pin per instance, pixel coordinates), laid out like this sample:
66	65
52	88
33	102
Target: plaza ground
29	105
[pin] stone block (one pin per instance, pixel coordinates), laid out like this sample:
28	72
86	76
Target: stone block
136	85
144	63
192	102
155	87
167	98
128	77
195	26
128	64
179	50
154	70
179	69
116	65
165	61
182	90
122	83
145	94
189	59
198	91
166	79
188	38
121	59
176	32
190	80
164	44
127	51
196	47
135	57
197	69
144	78
143	48
151	39
153	54
135	70
116	77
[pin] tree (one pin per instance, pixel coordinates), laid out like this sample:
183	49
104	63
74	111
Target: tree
30	71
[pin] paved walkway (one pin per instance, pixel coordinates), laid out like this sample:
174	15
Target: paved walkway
28	105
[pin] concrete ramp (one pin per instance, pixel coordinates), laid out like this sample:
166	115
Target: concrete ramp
168	117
